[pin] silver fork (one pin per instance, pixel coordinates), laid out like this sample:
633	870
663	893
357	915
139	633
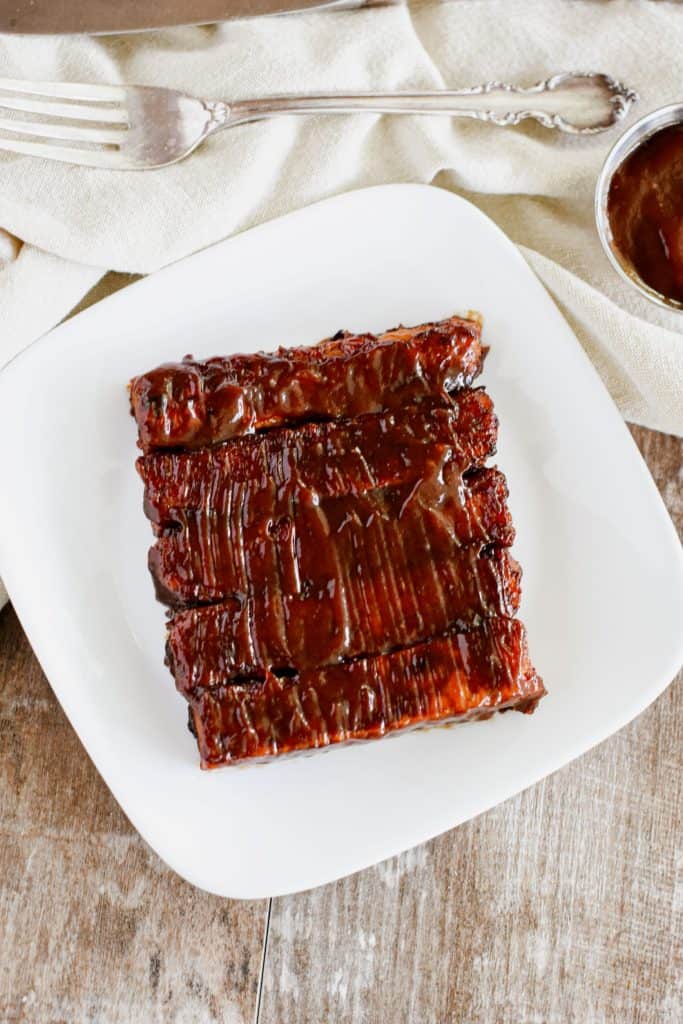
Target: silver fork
141	127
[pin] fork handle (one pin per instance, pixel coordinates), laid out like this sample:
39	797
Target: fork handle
574	102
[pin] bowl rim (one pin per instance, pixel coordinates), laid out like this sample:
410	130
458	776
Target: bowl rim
625	145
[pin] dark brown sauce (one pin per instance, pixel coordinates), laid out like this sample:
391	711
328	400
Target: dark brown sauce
448	678
645	211
193	404
331	546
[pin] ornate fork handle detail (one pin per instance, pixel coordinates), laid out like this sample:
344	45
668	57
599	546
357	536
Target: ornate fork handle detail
144	127
575	102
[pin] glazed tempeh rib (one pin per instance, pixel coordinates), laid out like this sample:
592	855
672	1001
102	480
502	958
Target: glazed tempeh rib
312	543
193	404
364	613
332	547
455	677
336	458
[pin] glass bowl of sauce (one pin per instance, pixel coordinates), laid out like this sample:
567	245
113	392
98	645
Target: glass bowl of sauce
639	206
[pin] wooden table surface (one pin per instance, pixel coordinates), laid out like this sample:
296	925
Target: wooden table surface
563	905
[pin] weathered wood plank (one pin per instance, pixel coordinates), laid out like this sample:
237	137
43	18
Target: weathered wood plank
561	905
93	926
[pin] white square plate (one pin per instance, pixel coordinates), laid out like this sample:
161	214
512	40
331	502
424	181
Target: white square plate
603	577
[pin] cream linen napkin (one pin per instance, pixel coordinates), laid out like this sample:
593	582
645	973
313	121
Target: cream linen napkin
538	185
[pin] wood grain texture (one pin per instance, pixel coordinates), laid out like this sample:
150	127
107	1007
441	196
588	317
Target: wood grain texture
93	926
563	905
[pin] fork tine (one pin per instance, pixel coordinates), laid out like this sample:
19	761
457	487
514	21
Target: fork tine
65	90
66	132
110	159
71	111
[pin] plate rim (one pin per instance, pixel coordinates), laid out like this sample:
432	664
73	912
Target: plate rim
20	595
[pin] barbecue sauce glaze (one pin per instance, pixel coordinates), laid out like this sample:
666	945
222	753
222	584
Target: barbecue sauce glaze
193	404
645	211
